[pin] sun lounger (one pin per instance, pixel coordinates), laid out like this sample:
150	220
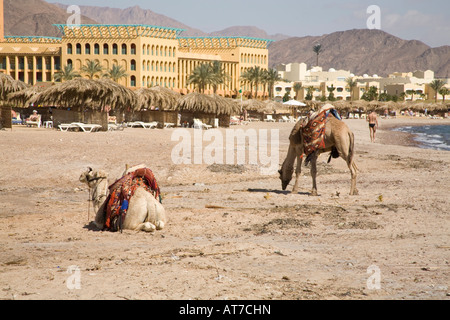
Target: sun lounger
37	123
169	125
78	125
269	118
200	125
145	125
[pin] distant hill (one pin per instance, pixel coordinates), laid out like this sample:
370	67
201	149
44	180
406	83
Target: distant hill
34	18
247	31
363	51
133	15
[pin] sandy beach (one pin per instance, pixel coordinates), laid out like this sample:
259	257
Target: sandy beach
232	232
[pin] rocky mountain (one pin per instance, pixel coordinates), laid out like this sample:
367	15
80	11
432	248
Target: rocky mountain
247	31
363	51
133	15
34	18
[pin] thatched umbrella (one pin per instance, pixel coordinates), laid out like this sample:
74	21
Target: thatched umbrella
7	85
163	98
94	94
255	105
210	104
21	98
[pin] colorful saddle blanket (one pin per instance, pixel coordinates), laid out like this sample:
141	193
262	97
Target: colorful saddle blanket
314	131
120	193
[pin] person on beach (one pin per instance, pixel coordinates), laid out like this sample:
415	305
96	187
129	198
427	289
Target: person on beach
373	125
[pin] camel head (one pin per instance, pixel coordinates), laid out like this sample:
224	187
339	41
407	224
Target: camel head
285	176
90	176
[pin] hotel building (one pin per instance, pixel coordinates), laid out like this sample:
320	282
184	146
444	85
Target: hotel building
150	55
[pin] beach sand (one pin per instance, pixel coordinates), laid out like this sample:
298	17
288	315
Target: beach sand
232	232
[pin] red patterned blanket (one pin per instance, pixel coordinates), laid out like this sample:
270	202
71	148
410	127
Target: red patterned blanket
120	193
314	132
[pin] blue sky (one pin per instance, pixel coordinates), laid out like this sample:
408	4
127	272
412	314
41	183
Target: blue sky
426	21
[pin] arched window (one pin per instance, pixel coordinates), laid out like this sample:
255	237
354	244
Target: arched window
69	62
133	65
105	49
87	49
69	48
133	81
115	49
124	48
96	48
78	48
133	48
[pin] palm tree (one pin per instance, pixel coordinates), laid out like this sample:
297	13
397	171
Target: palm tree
115	73
92	68
309	93
270	77
443	92
317	50
219	75
411	92
436	85
202	76
67	73
254	76
331	90
297	87
352	84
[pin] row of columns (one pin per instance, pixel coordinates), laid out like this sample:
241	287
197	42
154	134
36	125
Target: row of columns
34	68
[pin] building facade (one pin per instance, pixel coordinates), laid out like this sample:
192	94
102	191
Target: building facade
150	55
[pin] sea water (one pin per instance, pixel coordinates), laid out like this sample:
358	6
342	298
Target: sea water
432	137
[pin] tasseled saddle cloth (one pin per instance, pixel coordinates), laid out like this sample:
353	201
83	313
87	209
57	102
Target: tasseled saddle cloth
314	132
120	193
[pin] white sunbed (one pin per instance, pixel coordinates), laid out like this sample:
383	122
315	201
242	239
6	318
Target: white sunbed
200	125
169	125
78	125
145	125
269	118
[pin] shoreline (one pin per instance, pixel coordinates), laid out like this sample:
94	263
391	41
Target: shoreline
387	134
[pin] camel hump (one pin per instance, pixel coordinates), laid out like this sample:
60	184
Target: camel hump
132	169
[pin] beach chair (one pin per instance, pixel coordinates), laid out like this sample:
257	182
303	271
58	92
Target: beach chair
37	123
269	118
169	125
284	119
145	125
198	124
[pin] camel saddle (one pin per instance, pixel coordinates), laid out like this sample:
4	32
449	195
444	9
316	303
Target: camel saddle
314	131
120	193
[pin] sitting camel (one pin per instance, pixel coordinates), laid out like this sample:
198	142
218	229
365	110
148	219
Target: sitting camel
338	139
144	211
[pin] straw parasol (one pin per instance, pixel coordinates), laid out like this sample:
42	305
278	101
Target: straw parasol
255	105
21	98
8	85
163	98
212	104
95	94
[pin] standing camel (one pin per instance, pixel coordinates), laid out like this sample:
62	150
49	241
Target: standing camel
144	211
337	138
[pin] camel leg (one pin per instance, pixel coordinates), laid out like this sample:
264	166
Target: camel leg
353	190
298	171
314	174
146	226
